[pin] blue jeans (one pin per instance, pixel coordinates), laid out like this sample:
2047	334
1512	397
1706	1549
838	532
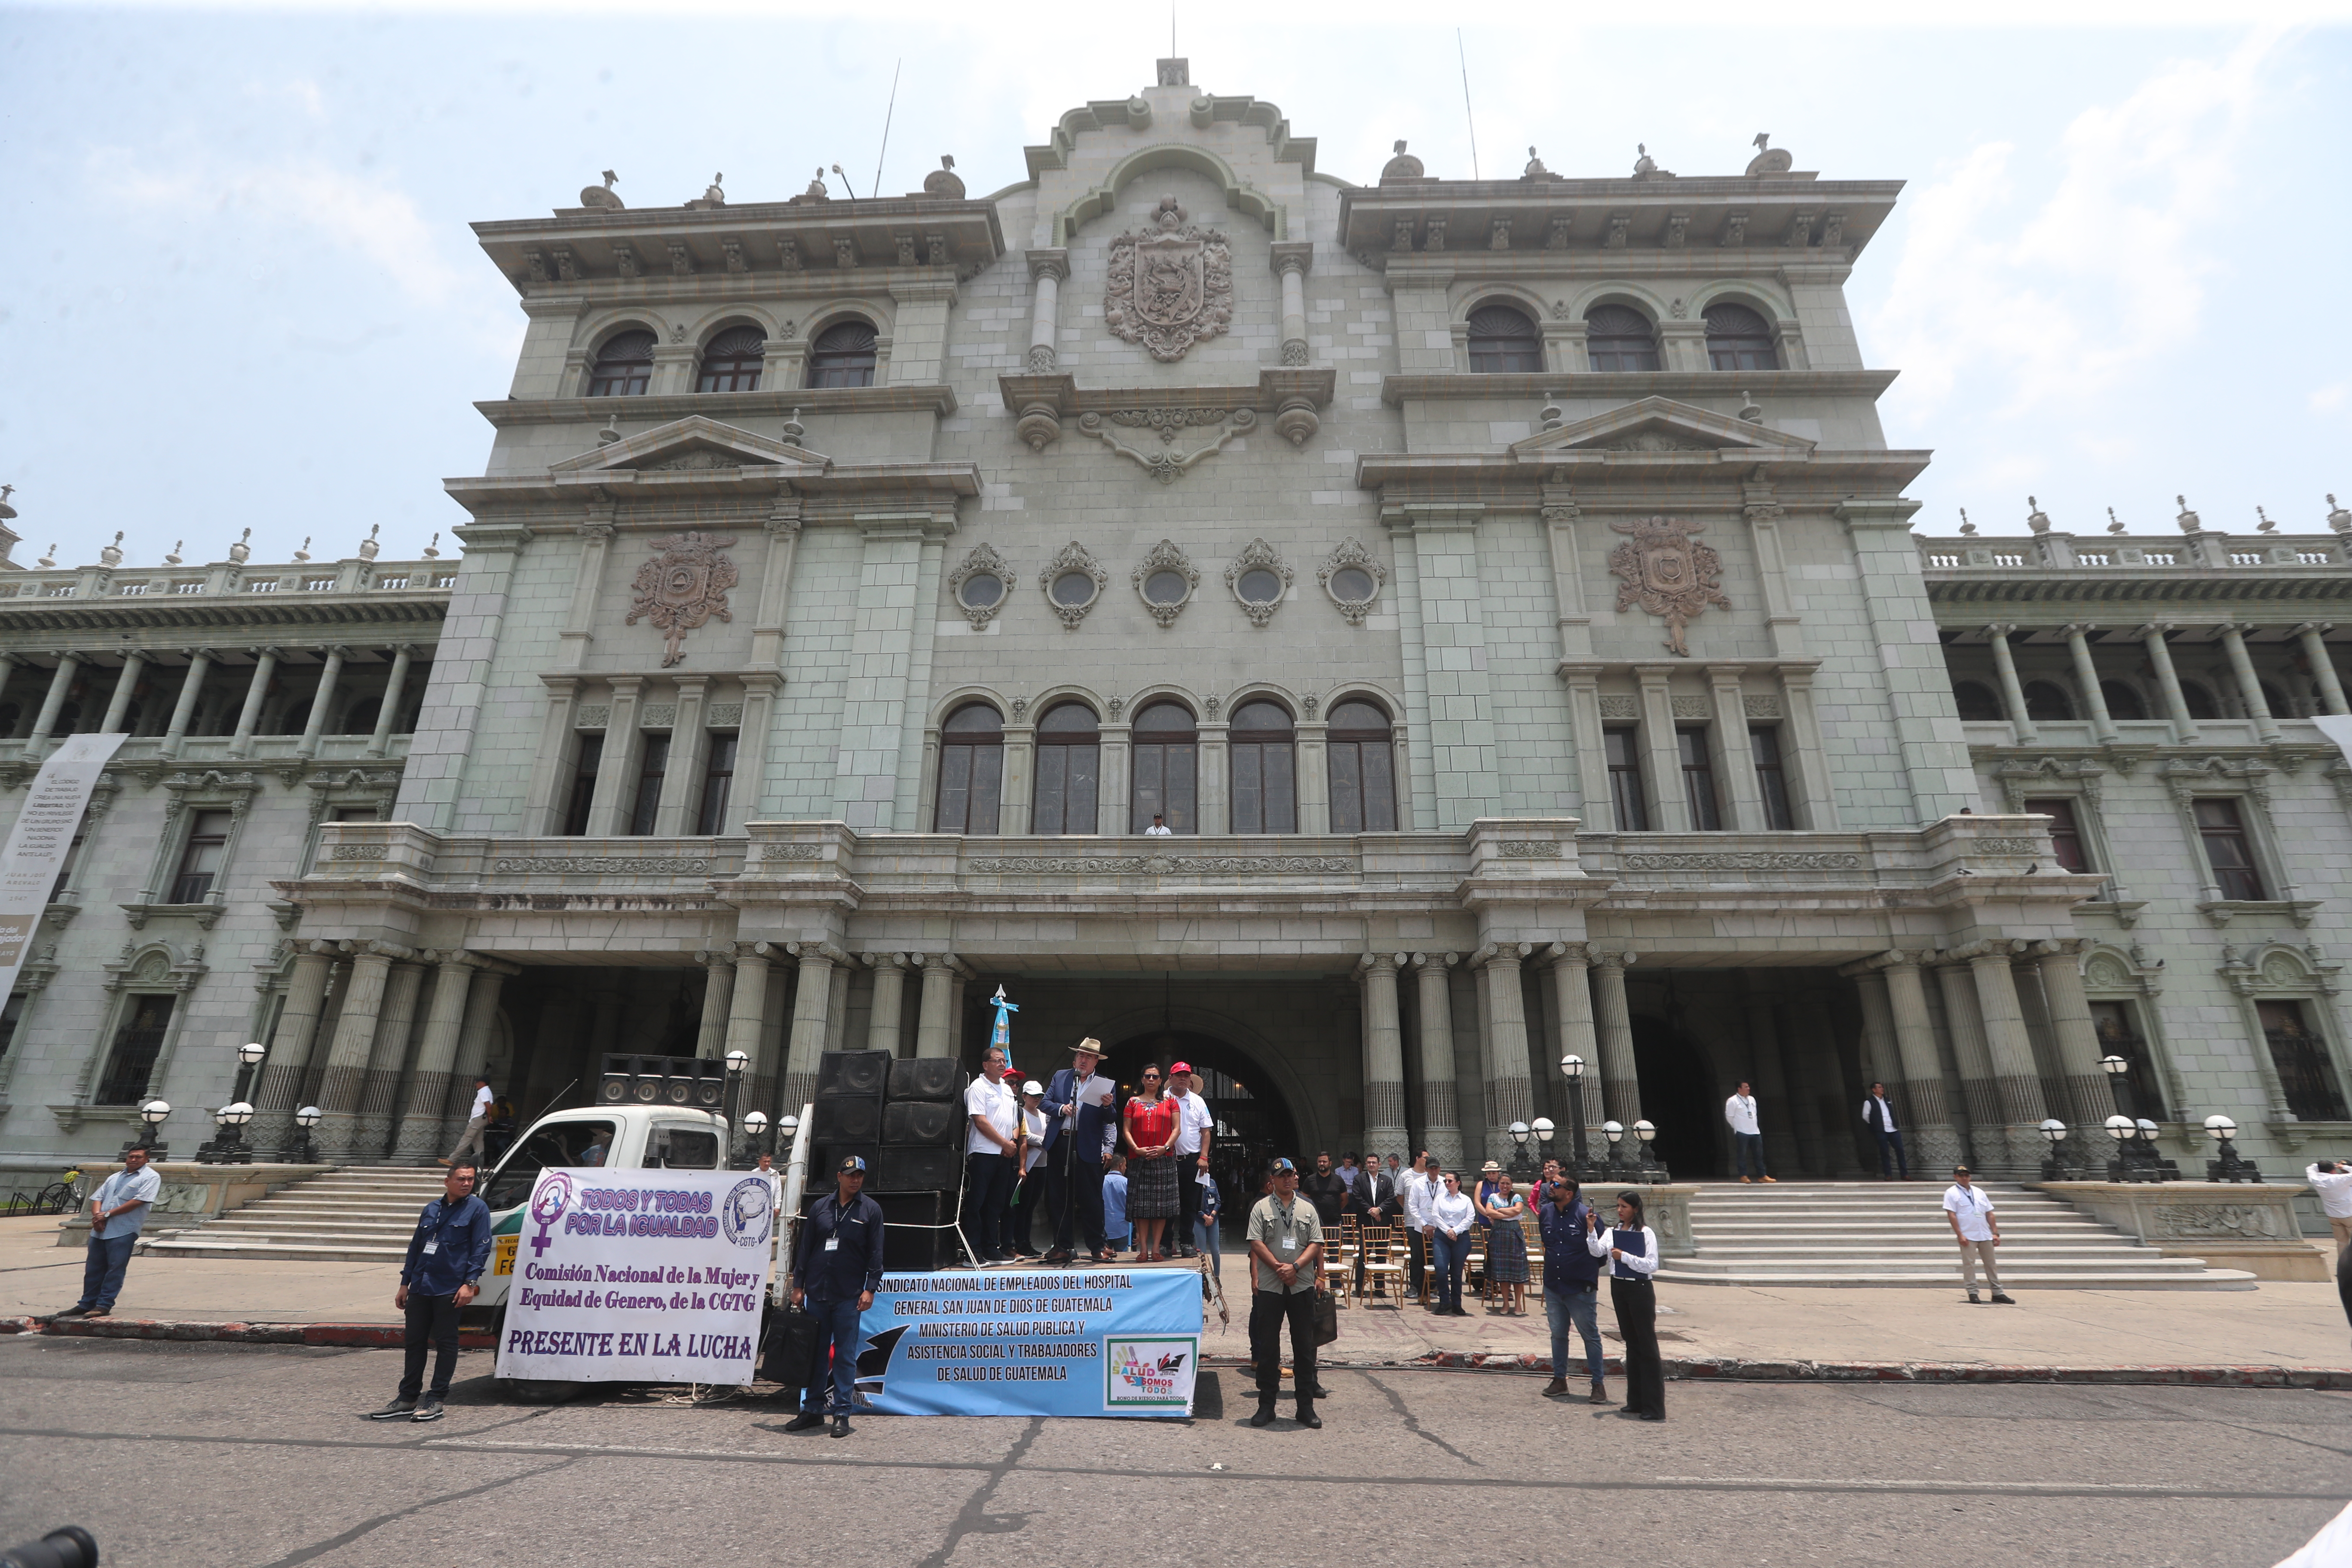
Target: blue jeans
1210	1243
101	1271
1453	1255
1746	1148
837	1327
1577	1306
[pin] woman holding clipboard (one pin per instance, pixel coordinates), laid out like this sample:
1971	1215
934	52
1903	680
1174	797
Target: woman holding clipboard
1632	1249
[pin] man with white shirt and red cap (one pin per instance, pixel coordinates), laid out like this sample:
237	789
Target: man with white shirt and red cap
1195	1127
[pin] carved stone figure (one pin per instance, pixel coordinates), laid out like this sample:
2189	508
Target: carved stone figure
1171	286
682	587
1667	573
603	195
943	182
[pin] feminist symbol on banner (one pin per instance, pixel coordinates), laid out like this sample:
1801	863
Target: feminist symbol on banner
547	1206
1004	1034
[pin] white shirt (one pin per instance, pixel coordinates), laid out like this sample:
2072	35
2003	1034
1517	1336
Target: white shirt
1740	1111
1452	1212
482	1098
1629	1267
1972	1205
2335	1190
996	1102
1035	1121
1413	1187
1160	830
775	1180
1885	1111
1193	1119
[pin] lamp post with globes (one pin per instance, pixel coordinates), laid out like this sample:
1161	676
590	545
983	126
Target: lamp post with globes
227	1145
1646	1155
2054	1167
151	1116
1572	1068
1619	1168
299	1150
755	1128
2227	1166
736	1062
1521	1168
1544	1130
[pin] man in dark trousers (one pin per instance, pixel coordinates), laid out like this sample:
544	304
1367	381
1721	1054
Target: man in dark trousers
836	1268
1327	1189
1878	1115
1285	1243
1571	1283
1078	1112
442	1274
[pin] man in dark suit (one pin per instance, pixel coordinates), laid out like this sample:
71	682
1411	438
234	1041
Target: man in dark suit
1076	1153
1878	1115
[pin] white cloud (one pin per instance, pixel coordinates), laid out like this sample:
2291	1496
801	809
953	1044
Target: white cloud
2331	398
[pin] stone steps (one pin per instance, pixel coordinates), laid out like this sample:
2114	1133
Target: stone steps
365	1216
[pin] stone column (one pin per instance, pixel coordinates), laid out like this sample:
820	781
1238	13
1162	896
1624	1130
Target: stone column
681	786
60	682
395	685
474	1051
2087	1094
2013	695
133	663
278	1093
1509	1097
883	1026
2311	635
1742	794
257	690
418	1141
1572	992
320	701
616	768
2086	677
2250	686
2015	1077
1620	1083
354	1042
935	1025
836	1029
1384	1128
1440	1131
1978	1092
1047	270
747	1027
811	1018
718	990
1291	258
2176	702
380	1089
1928	1135
183	712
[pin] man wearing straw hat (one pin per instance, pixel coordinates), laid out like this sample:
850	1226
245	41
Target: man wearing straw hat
1077	1107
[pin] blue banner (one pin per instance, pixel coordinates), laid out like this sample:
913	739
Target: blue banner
1032	1342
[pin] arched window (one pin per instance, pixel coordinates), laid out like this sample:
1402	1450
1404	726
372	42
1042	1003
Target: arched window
1265	754
1618	338
732	363
2200	701
2123	701
843	355
2045	701
625	366
360	717
1503	339
972	770
1069	770
1738	339
1166	769
1363	770
1976	703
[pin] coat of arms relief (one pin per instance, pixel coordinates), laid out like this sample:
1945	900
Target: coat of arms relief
1171	285
1667	573
682	587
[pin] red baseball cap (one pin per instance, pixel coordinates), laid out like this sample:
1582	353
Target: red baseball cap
1181	1067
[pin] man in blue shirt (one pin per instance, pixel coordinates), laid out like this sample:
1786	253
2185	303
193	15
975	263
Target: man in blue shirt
1571	1283
1116	1228
118	1212
836	1267
442	1273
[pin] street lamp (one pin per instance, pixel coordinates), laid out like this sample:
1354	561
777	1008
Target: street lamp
228	1146
1572	1068
2055	1168
303	1152
2227	1166
1521	1168
151	1116
1544	1130
2153	1166
1616	1167
1650	1171
2116	1069
736	1062
248	1059
755	1123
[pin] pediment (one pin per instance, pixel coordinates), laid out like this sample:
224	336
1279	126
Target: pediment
693	442
1661	427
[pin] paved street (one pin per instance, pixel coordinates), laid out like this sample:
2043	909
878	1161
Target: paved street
196	1456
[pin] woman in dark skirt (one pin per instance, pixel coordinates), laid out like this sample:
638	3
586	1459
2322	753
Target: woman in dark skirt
1150	1122
1632	1249
1507	1245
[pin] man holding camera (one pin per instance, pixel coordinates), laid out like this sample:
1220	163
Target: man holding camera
2332	1180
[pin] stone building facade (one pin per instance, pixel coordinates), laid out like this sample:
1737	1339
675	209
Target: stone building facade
1502	590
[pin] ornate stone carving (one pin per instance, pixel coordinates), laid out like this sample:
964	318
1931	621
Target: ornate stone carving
658	715
1160	865
1666	572
1165	556
1654	441
600	866
1168	421
1761	707
1746	861
1616	705
2219	1221
357	852
702	457
1528	849
1352	556
792	852
723	715
1167	467
682	587
592	716
2002	846
1687	707
1171	285
982	561
1073	557
1258	556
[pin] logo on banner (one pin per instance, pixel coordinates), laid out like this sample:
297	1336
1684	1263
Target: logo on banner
547	1206
749	1215
874	1364
1148	1370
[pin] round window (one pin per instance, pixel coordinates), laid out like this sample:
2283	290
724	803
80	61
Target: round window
1165	587
1073	588
1259	587
1352	583
981	590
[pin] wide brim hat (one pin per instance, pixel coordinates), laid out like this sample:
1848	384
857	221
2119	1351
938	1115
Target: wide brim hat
1490	1166
1089	1046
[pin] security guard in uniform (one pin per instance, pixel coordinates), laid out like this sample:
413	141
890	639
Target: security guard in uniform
837	1266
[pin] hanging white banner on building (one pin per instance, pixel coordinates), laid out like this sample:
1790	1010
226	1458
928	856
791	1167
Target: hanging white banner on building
40	839
639	1277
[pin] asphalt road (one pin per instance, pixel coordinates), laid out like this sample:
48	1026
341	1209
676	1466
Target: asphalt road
194	1455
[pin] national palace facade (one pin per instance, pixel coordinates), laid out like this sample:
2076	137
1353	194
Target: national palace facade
1502	591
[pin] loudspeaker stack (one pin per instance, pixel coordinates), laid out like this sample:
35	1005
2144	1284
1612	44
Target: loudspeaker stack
904	1120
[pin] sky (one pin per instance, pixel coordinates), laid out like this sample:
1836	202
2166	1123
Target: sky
237	289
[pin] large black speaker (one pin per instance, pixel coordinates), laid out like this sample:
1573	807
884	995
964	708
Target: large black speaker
935	1168
919	1121
912	1242
853	1072
848	1118
927	1078
689	1082
826	1160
